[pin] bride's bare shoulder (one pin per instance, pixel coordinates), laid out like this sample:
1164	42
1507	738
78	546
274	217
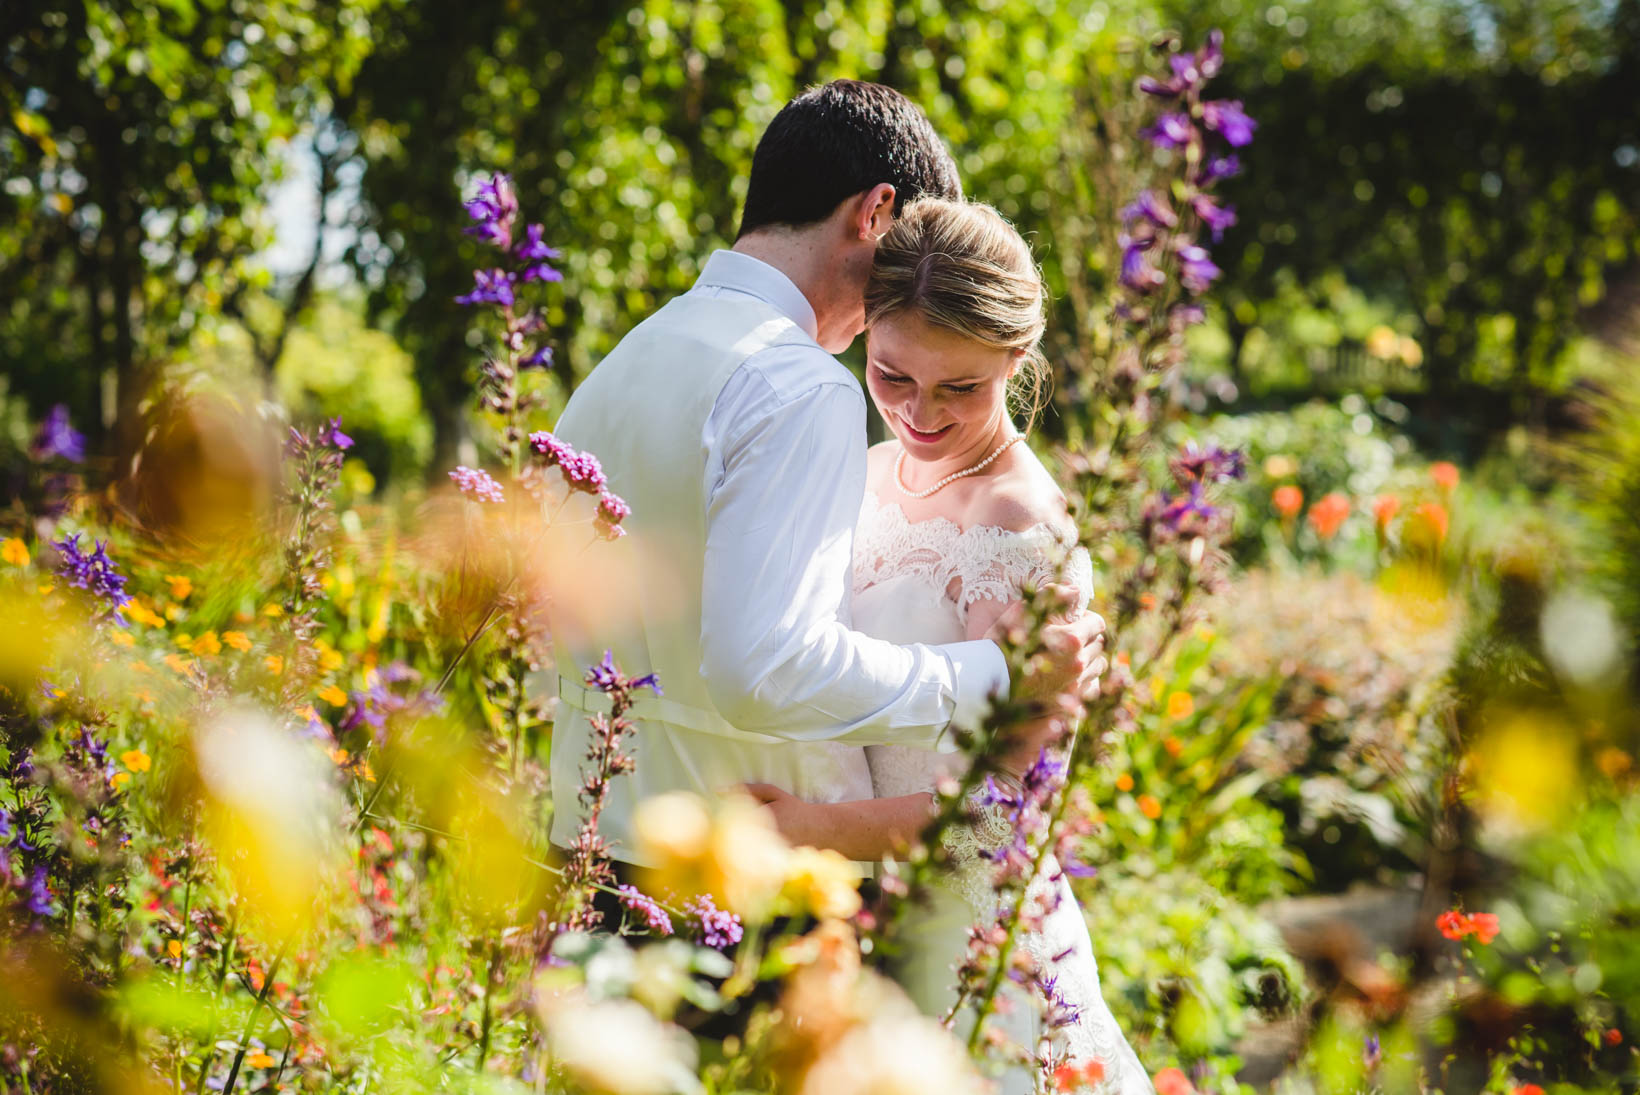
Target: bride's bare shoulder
1022	497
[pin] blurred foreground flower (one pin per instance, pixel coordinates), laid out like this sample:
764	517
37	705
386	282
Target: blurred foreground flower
273	815
734	854
616	1047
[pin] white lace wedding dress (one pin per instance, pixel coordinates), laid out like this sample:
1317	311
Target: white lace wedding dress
913	583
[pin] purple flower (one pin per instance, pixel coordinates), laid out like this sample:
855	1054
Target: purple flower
649	681
93	573
1195	464
1196	268
1165	89
39	894
490	287
56	438
654	916
584	472
331	434
1153	207
1226	117
606	678
1170	131
1137	273
1222	167
5	824
477	484
1177	514
1372	1052
548	446
540	358
717	928
532	250
1210	58
1217	217
494	210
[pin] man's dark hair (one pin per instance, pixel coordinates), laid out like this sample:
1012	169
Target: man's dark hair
838	140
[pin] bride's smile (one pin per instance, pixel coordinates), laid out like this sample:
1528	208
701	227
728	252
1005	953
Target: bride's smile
943	394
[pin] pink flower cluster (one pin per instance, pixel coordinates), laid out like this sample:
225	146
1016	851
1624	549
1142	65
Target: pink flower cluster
582	472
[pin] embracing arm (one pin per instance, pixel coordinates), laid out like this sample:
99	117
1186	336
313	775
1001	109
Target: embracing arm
866	830
777	657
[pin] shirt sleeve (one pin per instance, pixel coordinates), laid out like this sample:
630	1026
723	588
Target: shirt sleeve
777	654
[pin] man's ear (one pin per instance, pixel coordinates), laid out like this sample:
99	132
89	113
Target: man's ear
874	215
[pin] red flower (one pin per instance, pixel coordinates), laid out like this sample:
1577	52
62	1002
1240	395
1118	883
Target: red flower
1613	1036
1526	1089
1453	924
1170	1081
1076	1077
1445	475
1288	500
1485	927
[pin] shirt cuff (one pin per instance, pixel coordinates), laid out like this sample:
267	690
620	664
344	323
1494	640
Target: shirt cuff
979	672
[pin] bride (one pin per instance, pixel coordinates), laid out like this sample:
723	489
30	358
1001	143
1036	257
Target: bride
960	516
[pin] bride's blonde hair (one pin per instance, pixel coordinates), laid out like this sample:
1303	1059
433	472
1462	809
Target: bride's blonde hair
961	266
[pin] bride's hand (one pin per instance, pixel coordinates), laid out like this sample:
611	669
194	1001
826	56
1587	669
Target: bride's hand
1067	671
791	814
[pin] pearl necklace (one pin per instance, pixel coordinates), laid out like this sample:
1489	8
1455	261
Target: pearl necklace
899	462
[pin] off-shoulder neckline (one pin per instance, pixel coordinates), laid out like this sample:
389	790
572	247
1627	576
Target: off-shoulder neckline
1031	532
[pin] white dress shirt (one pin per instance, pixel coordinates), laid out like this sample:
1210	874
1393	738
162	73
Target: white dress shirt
786	474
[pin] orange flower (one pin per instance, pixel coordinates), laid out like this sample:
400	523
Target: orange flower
274	663
14	551
238	640
260	1059
1147	601
1173	746
1485	927
1180	706
180	585
1150	806
1453	924
1124	782
1612	1037
1526	1089
1288	500
333	695
1433	516
1384	509
1445	475
1170	1081
1328	514
1076	1077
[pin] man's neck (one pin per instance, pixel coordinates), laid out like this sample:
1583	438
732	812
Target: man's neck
802	258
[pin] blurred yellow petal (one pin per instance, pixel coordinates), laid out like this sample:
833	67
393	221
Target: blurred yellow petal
180	585
1525	770
15	552
333	695
136	760
272	611
237	639
275	664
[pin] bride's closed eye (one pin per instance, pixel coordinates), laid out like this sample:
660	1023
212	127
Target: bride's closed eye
895	378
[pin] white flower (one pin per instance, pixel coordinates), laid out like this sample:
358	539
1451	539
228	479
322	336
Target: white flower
616	1047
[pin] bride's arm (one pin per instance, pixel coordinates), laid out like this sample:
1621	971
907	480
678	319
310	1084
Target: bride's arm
864	830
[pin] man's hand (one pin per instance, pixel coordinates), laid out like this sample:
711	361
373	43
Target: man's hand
1067	670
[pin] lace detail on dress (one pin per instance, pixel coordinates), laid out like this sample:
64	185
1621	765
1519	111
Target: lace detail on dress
966	563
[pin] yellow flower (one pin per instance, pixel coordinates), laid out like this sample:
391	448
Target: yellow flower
186	642
275	664
1180	706
122	638
330	659
734	854
207	644
340	756
178	664
136	760
180	585
46	587
120	780
174	948
137	612
172	612
822	882
333	695
237	639
272	611
260	1059
15	552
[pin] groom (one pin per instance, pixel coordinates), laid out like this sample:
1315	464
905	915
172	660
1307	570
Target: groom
739	442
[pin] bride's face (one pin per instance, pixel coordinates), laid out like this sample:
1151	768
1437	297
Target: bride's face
944	395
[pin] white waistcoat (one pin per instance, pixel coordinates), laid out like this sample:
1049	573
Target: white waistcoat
643	413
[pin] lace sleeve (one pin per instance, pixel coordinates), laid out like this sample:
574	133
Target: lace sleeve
1002	569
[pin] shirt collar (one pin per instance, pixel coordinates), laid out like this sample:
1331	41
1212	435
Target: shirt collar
754	277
